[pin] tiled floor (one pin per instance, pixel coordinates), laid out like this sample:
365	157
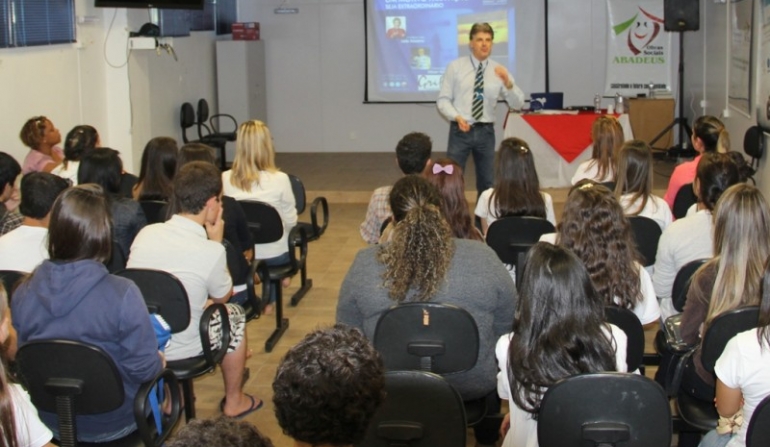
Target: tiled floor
347	180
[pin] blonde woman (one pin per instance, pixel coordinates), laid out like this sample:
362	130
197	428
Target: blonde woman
254	176
607	135
730	280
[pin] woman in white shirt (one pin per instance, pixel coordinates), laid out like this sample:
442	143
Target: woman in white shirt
607	135
633	187
559	331
516	191
254	176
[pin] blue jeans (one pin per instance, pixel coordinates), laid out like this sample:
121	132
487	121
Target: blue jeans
480	141
278	260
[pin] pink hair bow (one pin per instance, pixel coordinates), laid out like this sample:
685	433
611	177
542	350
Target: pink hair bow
437	168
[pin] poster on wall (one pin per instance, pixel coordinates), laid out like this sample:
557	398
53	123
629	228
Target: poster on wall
763	112
741	30
638	48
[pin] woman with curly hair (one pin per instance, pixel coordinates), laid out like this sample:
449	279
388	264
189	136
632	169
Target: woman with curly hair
633	187
607	135
79	140
731	279
559	331
516	191
594	227
41	137
156	174
447	176
423	262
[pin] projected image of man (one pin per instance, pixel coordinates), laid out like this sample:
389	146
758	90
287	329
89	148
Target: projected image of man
470	89
396	31
421	60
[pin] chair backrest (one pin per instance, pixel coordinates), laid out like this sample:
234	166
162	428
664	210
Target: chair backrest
682	283
605	409
435	337
264	221
203	111
646	235
154	210
117	261
127	183
421	410
186	119
299	193
724	327
164	295
685	198
10	280
758	432
629	323
512	237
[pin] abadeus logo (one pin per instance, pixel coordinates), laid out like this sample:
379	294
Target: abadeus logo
642	28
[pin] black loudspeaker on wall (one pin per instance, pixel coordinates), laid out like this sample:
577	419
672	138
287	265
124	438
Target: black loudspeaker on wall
681	15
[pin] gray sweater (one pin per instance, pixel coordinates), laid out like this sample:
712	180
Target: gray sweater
476	281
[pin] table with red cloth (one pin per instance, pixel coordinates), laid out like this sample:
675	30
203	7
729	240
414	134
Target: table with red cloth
559	142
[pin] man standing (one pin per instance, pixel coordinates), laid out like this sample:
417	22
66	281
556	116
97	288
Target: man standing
470	89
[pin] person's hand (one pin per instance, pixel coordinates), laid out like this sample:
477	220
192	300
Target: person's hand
462	124
502	73
162	359
506	425
216	229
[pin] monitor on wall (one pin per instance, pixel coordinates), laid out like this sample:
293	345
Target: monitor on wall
160	4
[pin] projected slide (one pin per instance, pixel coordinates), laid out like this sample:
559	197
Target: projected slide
410	43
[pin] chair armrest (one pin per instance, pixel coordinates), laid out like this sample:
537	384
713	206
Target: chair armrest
314	215
145	421
297	239
214	121
214	356
258	268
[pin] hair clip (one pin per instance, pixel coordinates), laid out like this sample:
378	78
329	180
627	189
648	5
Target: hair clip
523	149
586	186
437	168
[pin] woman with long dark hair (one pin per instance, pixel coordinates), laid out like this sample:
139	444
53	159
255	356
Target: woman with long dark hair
156	174
607	136
447	176
633	184
559	331
79	140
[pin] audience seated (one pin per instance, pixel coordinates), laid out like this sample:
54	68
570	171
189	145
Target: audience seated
254	176
559	331
41	137
219	432
594	228
236	228
516	191
423	262
10	218
103	167
607	136
157	171
743	377
633	186
691	237
25	248
189	246
708	135
20	425
730	280
80	140
447	175
328	387
412	155
73	297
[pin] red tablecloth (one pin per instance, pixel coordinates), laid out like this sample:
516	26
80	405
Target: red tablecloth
569	135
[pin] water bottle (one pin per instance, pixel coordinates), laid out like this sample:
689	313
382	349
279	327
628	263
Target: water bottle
651	87
620	104
598	103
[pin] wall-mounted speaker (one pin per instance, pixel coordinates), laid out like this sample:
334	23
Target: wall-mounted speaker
681	15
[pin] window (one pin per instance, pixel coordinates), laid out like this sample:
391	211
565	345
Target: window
227	14
203	20
216	15
36	22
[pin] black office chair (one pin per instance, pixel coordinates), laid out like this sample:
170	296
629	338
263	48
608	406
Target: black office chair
165	295
156	211
421	410
701	414
11	280
312	229
512	237
754	147
629	323
685	198
70	389
187	120
646	235
432	337
213	127
682	283
605	409
758	431
266	226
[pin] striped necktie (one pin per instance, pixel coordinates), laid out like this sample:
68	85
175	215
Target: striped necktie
477	110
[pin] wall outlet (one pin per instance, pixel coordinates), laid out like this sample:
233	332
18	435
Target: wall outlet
703	103
726	113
